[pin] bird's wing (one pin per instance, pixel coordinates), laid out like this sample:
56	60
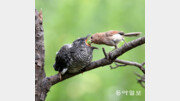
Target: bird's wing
62	58
111	33
63	51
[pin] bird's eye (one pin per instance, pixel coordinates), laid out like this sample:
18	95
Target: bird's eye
91	37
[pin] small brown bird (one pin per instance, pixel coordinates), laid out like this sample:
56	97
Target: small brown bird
111	38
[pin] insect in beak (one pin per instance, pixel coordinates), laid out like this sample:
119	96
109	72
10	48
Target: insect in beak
88	43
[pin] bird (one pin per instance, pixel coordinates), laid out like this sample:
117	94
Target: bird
72	58
111	38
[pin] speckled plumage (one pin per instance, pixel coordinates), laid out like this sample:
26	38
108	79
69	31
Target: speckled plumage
74	57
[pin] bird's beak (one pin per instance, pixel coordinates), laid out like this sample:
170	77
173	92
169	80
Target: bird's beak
86	40
94	47
89	43
88	36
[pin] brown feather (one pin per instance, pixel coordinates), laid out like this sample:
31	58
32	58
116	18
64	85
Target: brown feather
111	33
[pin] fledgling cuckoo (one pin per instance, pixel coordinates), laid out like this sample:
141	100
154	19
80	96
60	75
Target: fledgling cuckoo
74	57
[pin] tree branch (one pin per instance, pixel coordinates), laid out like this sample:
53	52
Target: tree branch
117	65
140	66
40	92
141	80
102	62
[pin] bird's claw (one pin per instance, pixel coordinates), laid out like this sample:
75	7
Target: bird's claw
60	76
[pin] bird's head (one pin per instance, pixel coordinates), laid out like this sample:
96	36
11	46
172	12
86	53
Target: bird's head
95	38
83	42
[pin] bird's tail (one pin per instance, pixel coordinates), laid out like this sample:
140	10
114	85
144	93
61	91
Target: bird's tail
132	34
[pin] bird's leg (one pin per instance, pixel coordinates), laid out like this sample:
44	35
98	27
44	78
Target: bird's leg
124	41
60	76
62	73
116	46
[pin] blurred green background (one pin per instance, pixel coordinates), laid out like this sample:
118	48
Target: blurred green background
66	20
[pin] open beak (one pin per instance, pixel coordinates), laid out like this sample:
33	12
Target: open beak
88	36
88	43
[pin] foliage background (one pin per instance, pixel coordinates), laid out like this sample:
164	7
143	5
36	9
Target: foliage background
67	20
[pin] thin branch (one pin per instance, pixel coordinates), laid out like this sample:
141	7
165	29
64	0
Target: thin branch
143	64
140	66
105	54
102	62
141	80
117	65
141	83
